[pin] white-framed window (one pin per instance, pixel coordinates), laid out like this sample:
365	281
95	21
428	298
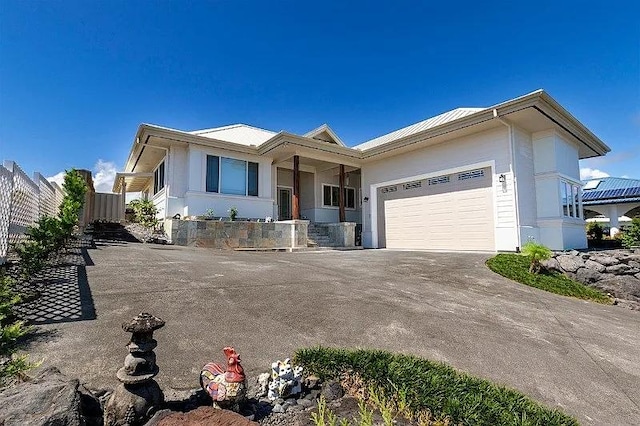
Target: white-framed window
231	176
158	178
331	196
570	198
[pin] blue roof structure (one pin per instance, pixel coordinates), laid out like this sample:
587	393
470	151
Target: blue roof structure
610	190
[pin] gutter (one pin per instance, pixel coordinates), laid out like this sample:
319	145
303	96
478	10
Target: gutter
512	154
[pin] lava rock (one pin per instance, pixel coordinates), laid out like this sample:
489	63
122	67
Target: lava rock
619	269
587	275
551	264
200	416
570	263
50	399
605	260
332	391
598	267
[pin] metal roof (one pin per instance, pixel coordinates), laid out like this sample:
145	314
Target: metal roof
237	133
418	127
611	190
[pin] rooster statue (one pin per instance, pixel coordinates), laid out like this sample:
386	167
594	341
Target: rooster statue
228	387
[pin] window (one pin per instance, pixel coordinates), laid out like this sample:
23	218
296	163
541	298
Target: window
331	196
230	176
571	203
158	179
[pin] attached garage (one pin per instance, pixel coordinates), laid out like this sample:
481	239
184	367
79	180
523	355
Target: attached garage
444	212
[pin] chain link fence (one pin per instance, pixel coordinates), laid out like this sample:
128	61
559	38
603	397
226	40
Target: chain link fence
22	201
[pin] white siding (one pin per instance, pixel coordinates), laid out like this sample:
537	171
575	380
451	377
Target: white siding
489	146
556	160
196	201
527	199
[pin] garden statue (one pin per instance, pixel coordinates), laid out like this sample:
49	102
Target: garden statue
227	387
285	380
138	395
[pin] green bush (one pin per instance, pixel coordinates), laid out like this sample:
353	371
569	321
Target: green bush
420	385
631	235
50	234
536	253
11	330
233	213
595	231
144	213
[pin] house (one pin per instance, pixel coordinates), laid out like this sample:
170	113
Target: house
612	201
477	179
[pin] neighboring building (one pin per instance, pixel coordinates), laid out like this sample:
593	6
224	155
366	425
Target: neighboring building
611	201
479	179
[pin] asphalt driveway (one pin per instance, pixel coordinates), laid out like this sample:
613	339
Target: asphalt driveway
578	356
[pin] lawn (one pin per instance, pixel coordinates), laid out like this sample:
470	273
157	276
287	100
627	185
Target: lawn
516	267
416	386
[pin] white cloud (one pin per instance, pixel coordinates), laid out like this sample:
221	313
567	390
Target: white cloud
587	173
104	173
57	178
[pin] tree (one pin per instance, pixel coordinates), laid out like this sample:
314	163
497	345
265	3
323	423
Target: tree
595	231
631	237
537	253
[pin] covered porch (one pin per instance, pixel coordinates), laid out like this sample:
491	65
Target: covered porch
316	190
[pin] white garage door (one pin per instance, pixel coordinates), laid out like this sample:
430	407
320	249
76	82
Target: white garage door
449	212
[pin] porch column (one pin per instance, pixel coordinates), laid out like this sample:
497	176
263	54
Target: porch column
123	194
341	196
296	187
614	226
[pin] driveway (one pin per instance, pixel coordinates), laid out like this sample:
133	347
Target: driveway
579	356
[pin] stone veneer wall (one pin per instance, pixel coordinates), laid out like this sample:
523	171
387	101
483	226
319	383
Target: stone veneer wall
341	234
231	235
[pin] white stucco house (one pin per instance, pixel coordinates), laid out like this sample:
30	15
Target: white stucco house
471	179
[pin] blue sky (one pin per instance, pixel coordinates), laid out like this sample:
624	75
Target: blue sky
77	78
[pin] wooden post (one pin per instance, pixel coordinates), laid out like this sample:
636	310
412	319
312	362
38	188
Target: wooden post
341	196
296	187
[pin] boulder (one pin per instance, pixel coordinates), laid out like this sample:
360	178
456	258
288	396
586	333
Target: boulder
619	269
634	264
621	286
551	264
200	416
570	263
588	275
605	260
332	391
598	267
49	399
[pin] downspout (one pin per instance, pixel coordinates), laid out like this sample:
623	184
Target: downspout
512	154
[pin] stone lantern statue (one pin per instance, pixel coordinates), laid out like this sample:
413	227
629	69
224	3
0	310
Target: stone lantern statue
138	396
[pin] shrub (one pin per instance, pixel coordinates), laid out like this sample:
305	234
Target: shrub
10	331
233	213
50	234
144	213
421	385
631	235
536	253
595	231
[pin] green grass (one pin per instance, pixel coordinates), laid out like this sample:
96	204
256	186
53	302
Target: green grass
516	267
422	385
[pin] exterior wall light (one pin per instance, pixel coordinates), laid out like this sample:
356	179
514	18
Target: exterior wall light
502	178
365	199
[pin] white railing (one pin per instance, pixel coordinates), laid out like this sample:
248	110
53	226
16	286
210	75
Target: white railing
22	201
